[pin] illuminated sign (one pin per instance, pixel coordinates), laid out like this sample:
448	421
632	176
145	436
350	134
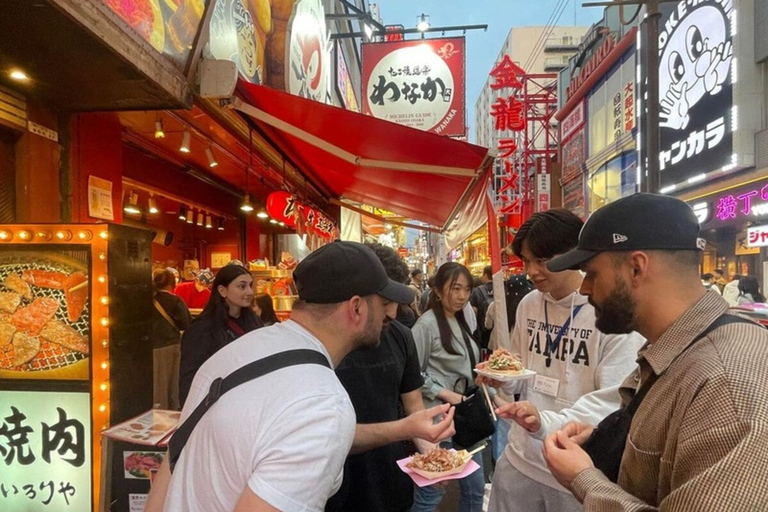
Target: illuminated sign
695	90
417	83
757	236
309	53
45	451
738	205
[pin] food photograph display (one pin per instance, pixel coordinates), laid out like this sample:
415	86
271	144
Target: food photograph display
44	313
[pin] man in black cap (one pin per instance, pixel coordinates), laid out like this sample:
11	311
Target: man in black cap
692	432
278	442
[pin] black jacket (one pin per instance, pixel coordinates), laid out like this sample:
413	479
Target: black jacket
163	333
203	339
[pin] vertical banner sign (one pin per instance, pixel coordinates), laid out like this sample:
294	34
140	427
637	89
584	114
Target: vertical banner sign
695	88
509	116
309	52
45	451
344	84
417	83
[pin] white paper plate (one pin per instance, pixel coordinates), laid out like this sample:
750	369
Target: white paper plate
527	374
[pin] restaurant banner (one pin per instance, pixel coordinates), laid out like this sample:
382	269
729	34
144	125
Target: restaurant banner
574	196
417	83
284	207
281	43
45	451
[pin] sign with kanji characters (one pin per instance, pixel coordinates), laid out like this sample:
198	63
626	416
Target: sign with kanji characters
344	84
695	89
45	451
573	121
757	236
629	106
418	83
283	206
735	206
308	55
574	153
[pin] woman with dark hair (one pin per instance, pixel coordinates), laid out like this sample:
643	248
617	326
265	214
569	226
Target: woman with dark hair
749	291
263	307
169	319
443	342
226	317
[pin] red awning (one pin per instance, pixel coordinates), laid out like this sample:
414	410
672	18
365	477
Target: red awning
413	173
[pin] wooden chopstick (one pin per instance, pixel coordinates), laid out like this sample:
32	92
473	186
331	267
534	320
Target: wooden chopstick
490	404
478	450
78	286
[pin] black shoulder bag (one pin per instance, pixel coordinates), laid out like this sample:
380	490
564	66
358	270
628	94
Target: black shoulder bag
606	444
242	375
472	419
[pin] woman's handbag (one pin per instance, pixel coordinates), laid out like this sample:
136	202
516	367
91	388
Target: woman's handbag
472	419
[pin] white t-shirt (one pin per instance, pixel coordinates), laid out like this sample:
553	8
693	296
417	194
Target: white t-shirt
285	435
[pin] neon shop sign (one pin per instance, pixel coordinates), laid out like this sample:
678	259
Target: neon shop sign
752	202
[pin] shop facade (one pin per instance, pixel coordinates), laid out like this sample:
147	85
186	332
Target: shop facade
598	123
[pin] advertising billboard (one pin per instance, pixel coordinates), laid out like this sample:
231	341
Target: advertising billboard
695	89
418	83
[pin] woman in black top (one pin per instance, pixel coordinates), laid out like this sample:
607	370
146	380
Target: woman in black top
262	306
170	317
226	317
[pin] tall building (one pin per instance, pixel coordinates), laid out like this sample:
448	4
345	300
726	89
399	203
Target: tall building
536	50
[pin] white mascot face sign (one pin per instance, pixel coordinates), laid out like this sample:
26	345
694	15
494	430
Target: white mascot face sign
696	55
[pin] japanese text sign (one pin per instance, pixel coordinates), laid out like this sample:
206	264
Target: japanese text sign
695	88
757	236
748	203
283	206
45	451
418	83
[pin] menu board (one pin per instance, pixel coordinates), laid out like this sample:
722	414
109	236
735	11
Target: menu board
45	318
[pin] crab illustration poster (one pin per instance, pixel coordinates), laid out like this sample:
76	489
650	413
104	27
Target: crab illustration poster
695	88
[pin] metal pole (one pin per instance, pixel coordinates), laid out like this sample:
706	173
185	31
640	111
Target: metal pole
652	73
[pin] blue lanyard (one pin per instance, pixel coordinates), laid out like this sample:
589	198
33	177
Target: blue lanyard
552	344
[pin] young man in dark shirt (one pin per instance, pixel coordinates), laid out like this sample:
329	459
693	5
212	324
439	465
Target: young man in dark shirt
377	381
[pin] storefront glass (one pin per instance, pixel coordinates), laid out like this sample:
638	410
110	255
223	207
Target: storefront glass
612	181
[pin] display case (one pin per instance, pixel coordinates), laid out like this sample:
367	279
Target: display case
278	283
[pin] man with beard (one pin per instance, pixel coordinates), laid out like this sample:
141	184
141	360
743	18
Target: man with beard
378	380
578	368
278	442
692	431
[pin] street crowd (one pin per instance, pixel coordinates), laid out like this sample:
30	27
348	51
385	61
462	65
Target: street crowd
649	392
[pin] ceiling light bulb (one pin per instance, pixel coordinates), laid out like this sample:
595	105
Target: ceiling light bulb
159	133
131	205
19	75
182	212
200	218
220	225
262	213
208	222
191	217
186	140
246	206
272	221
153	206
211	160
281	224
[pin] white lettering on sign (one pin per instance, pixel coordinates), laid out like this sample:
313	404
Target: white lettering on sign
43	131
572	121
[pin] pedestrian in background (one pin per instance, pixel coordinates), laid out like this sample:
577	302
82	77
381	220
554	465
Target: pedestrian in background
169	319
731	291
446	350
226	317
749	291
264	308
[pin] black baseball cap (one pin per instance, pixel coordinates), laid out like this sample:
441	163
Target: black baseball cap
340	270
641	222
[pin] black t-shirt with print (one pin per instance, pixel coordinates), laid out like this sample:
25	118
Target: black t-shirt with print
374	380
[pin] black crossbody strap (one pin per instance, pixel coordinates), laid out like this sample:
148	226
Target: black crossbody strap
720	321
242	375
